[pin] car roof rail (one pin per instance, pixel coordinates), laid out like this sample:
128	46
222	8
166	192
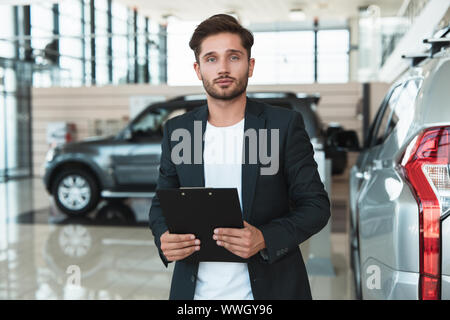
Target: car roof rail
313	97
437	44
416	59
271	94
190	97
442	33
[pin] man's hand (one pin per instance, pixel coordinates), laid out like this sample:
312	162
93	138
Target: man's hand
178	246
244	242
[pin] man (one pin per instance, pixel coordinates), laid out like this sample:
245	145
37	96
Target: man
280	210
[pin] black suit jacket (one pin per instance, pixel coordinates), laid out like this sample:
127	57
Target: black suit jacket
288	207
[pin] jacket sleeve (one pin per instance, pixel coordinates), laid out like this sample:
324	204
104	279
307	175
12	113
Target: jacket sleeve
310	206
167	178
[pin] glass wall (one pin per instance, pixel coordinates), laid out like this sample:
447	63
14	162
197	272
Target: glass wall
333	55
104	42
157	61
71	42
141	50
15	121
282	57
59	44
7	48
180	58
15	83
120	43
44	48
101	42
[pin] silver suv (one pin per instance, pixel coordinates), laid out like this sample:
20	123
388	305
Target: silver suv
400	187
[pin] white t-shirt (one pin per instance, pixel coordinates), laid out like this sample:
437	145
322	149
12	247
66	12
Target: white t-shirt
222	167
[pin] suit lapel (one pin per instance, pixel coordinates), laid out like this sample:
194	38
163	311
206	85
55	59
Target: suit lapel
197	170
250	171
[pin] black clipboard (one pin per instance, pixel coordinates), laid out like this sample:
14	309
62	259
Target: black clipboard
199	211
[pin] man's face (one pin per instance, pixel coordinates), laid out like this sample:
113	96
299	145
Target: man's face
223	66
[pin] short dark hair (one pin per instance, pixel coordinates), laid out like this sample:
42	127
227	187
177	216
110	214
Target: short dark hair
217	24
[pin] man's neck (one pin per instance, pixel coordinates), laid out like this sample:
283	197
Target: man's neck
224	113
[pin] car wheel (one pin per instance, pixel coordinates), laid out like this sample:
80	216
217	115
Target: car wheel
75	191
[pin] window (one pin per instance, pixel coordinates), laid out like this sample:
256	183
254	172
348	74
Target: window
119	43
283	57
149	123
157	63
400	108
131	47
180	57
6	31
332	56
101	42
383	116
41	25
71	42
42	29
141	49
87	42
403	114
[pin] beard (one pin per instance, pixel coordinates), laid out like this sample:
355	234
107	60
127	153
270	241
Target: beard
226	93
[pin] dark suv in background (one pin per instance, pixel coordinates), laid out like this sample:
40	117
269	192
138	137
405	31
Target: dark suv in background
126	165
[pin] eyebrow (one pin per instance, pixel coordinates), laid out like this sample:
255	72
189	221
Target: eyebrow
229	50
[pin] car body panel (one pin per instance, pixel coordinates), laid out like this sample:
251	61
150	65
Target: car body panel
136	163
392	284
445	242
383	208
388	221
445	287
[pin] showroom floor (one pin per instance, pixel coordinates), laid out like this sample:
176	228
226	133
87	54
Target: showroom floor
43	254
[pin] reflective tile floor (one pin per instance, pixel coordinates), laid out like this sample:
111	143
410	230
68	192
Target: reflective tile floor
109	254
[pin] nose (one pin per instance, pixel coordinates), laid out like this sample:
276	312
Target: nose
223	67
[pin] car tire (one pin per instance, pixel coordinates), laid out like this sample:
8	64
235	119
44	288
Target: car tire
76	192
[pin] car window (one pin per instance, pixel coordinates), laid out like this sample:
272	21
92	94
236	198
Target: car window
383	117
153	121
149	123
369	137
172	114
404	110
404	105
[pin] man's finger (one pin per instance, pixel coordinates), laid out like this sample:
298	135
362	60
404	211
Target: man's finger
170	237
237	250
232	240
234	232
180	253
179	245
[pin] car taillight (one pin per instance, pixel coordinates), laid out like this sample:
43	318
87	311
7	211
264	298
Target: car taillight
426	164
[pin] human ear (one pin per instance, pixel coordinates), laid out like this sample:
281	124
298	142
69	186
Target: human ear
197	70
251	66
